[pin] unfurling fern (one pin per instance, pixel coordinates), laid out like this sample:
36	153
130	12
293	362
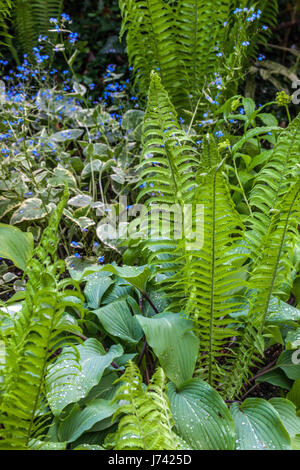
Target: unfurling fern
147	422
34	338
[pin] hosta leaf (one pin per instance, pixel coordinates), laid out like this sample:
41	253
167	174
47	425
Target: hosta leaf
258	426
68	379
286	363
132	119
173	342
79	421
95	289
136	276
62	177
294	394
6	205
15	245
117	320
287	412
36	444
276	377
201	417
88	447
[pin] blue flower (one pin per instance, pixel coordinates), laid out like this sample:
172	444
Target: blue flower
219	134
261	57
101	259
73	37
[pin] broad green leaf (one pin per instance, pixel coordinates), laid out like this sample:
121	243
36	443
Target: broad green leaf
62	177
16	245
79	421
81	200
286	363
258	426
287	412
117	320
36	444
6	205
294	394
276	377
77	267
88	447
201	417
136	276
70	378
174	343
292	340
281	312
95	289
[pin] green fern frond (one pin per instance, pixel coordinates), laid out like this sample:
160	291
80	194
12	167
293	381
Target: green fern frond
150	42
267	279
31	19
36	335
168	174
197	39
5	7
147	422
24	24
210	276
273	182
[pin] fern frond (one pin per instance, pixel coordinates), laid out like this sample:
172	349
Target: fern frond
273	182
199	31
147	422
210	277
150	42
36	334
167	172
267	278
31	19
24	24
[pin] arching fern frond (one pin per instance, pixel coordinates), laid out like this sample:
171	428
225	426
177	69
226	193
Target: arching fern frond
24	24
210	276
35	336
31	19
150	42
198	40
147	422
273	182
167	174
267	279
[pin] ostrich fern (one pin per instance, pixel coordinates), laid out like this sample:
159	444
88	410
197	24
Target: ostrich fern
34	338
146	422
31	19
209	283
177	39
